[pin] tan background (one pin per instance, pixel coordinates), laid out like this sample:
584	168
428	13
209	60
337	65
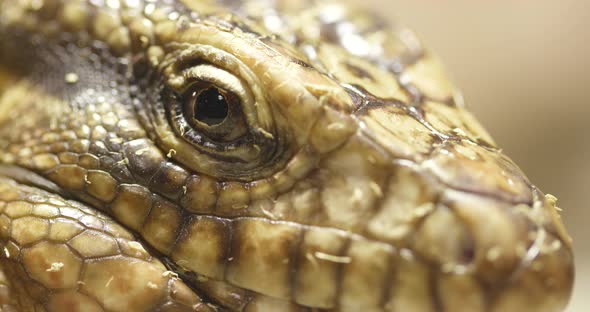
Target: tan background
524	69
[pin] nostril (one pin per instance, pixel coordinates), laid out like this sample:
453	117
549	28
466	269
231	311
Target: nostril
499	235
541	283
485	255
444	240
520	264
469	252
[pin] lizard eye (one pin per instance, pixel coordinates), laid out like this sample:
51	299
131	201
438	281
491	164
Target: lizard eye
209	106
211	110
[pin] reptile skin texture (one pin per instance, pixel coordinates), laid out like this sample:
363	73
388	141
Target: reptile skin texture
256	155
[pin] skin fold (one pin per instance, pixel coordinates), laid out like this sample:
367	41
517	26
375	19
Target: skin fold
183	155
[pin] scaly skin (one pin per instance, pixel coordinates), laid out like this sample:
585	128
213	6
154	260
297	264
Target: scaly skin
347	177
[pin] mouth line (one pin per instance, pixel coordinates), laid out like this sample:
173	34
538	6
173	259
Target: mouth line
31	178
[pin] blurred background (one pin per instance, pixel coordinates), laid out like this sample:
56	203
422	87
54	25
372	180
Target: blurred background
524	69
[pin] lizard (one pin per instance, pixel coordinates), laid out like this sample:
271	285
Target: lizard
255	155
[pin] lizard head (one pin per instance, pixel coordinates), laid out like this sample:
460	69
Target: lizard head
303	153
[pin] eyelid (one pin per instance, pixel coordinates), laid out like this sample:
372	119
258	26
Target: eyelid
215	75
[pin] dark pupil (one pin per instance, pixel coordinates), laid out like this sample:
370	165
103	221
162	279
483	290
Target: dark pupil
211	107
